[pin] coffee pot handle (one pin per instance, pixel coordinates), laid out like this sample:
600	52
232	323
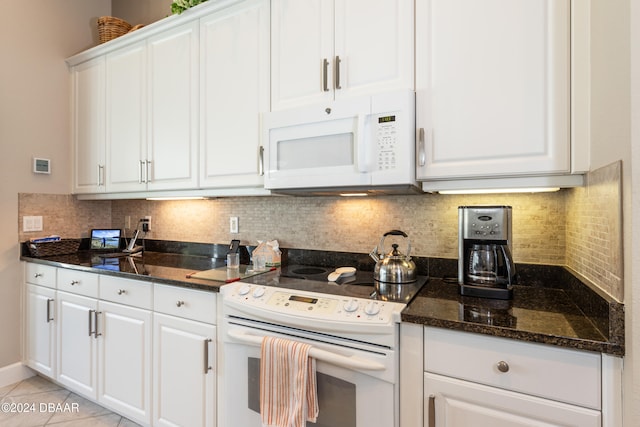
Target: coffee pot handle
508	261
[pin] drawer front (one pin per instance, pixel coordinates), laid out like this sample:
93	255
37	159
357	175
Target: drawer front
78	282
560	374
126	291
38	274
183	302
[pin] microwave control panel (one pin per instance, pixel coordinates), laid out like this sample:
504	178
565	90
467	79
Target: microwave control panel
387	140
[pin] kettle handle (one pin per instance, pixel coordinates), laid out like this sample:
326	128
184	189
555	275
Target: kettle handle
395	233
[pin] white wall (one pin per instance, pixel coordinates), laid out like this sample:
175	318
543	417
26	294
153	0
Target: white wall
35	37
632	237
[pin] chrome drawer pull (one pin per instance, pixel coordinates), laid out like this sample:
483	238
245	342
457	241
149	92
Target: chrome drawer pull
179	303
121	291
503	366
74	282
35	276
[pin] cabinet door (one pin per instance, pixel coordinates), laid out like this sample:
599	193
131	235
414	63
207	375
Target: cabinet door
492	85
124	362
184	372
127	167
40	331
88	126
173	109
373	46
451	402
77	348
235	91
301	41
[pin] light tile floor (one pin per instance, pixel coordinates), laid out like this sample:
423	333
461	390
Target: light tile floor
37	402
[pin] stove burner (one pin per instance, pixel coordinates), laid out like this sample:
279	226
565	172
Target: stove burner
361	285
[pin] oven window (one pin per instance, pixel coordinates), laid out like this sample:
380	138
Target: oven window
336	397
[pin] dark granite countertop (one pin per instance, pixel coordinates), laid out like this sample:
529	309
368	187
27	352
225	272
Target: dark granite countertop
536	314
156	267
551	305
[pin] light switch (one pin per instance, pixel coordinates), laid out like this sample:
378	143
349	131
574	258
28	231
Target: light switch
32	223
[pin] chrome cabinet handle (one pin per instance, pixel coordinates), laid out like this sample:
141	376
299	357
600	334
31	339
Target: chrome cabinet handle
432	410
91	321
74	282
100	175
503	366
49	318
37	275
140	166
179	303
338	61
121	291
207	368
261	161
147	177
95	332
325	75
422	149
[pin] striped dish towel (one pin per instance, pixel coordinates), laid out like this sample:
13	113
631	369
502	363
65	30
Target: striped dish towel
288	392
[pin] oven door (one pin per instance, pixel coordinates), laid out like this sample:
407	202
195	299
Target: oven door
354	388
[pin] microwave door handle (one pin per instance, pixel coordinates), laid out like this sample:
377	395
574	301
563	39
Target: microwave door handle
361	144
318	354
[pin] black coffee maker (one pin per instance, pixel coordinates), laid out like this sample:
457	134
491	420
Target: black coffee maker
485	265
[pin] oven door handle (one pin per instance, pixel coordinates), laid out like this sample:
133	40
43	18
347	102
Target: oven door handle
317	353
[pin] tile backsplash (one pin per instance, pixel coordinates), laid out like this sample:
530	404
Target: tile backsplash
548	228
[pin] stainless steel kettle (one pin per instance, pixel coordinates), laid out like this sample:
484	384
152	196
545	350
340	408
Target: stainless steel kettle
394	267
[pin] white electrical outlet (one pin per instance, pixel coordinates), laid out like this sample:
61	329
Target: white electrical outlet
31	223
148	218
127	222
233	225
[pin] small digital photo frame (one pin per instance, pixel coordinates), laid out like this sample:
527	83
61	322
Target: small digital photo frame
105	239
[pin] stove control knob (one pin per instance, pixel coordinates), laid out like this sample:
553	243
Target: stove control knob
372	308
244	290
258	292
351	306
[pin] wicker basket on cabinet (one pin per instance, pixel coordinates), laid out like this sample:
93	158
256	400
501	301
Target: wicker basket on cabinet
110	28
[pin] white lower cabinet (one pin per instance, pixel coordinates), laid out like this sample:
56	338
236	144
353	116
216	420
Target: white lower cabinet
104	341
124	346
184	357
77	343
41	319
183	396
143	350
471	379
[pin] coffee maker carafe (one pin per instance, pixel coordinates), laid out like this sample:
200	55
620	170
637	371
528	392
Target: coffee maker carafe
485	265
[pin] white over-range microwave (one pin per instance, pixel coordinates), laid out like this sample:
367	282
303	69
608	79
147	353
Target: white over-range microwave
364	144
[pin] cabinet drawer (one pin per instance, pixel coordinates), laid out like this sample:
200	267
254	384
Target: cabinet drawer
187	303
38	274
551	372
125	291
78	282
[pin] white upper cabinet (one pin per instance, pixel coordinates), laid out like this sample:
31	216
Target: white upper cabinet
172	149
323	50
152	104
493	88
88	126
234	67
126	112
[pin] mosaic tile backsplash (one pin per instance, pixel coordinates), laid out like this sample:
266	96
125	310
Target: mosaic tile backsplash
548	228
